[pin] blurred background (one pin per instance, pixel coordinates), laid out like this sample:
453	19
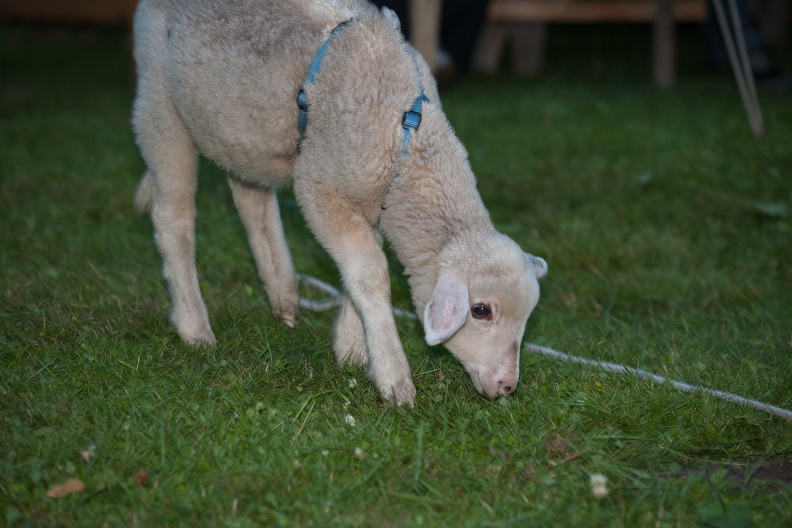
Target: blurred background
607	136
484	35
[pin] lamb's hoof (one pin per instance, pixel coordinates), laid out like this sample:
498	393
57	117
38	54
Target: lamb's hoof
193	326
349	346
289	317
349	350
355	357
400	393
203	338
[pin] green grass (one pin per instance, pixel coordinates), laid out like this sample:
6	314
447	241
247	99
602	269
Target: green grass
669	247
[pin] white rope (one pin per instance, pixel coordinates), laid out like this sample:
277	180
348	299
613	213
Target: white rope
684	387
324	304
335	300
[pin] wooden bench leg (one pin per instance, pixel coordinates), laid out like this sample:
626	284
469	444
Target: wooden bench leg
489	49
664	59
528	48
527	41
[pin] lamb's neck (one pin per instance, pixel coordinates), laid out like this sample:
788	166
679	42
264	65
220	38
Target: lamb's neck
427	212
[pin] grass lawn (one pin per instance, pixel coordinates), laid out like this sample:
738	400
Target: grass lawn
667	229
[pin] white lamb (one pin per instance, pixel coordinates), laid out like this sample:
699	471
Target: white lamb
371	151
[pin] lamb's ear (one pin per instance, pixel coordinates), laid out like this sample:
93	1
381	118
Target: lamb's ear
392	18
537	265
447	310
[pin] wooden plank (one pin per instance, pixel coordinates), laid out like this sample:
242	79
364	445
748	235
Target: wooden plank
105	11
575	11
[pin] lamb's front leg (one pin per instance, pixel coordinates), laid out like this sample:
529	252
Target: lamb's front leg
354	245
258	208
365	272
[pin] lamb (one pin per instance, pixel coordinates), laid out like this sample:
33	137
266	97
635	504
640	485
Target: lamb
368	152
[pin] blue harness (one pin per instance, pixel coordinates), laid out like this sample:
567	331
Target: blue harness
410	121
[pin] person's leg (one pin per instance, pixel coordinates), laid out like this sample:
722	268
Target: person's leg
461	22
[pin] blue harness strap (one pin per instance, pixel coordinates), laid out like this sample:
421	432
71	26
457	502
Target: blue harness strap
410	121
313	69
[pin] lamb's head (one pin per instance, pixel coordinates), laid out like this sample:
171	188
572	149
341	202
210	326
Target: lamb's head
479	308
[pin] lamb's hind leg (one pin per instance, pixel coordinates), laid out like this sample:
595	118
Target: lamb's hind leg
349	339
258	208
169	186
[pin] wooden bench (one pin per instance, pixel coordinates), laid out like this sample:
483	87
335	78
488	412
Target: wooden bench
523	22
77	11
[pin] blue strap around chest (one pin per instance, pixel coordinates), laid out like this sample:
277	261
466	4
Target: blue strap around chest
310	78
410	121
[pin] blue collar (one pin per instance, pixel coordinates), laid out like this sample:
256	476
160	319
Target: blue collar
410	121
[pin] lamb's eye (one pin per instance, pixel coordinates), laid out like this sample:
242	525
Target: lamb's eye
481	311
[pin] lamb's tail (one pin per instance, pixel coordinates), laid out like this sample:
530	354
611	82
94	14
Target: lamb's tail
143	193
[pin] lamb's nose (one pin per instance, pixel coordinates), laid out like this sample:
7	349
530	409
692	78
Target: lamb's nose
504	390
